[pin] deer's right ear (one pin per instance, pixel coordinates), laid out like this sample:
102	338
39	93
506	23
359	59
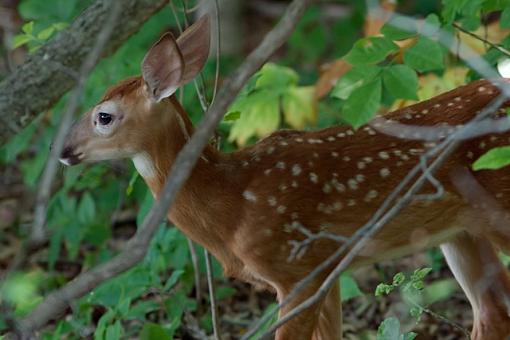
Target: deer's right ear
163	68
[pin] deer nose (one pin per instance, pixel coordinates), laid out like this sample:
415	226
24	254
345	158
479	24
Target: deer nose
67	152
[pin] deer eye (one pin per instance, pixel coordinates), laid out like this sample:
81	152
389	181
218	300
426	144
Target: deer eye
104	118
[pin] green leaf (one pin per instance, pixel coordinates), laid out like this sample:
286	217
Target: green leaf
401	81
172	280
416	312
113	332
33	167
298	105
353	79
409	336
349	287
59	26
232	116
131	184
504	21
419	285
362	104
21	39
21	290
398	279
86	209
370	50
439	290
389	329
493	159
394	33
20	141
383	289
260	116
224	292
425	55
46	33
28	28
432	25
152	331
276	77
419	274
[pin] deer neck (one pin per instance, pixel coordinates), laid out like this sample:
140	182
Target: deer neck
199	209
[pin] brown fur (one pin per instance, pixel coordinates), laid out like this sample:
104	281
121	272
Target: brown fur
251	235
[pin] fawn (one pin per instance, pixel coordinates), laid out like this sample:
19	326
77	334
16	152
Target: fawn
247	207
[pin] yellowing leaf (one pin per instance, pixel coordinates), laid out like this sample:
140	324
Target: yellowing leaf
299	106
259	116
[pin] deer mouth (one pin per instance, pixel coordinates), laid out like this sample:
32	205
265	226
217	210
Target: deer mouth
68	157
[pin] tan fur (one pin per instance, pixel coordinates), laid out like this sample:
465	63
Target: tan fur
242	206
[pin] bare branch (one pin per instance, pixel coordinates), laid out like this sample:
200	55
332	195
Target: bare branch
212	296
136	248
476	36
48	74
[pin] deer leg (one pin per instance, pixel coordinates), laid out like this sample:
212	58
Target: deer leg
329	325
476	266
302	326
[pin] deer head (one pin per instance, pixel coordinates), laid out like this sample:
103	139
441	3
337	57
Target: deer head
114	128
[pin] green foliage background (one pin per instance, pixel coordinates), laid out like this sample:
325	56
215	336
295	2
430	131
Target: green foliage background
80	211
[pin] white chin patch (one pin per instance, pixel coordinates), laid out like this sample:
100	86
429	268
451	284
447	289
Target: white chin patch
65	161
144	165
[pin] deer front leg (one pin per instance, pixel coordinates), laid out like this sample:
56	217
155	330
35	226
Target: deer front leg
476	266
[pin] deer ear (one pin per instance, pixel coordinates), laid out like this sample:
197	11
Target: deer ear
194	46
163	68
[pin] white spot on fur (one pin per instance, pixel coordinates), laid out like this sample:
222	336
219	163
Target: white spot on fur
249	196
384	172
384	155
296	169
313	177
371	195
353	184
272	201
280	165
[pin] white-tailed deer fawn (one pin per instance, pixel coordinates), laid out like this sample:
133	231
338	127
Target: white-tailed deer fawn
246	207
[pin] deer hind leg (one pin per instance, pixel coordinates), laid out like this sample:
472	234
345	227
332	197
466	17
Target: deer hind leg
329	325
322	321
304	325
486	282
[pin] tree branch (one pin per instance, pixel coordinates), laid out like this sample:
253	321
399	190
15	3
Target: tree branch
137	247
48	74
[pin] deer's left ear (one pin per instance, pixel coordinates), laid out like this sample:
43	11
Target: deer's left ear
163	68
194	44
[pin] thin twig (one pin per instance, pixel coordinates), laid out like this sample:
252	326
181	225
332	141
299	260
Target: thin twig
196	272
484	40
212	296
440	317
56	302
